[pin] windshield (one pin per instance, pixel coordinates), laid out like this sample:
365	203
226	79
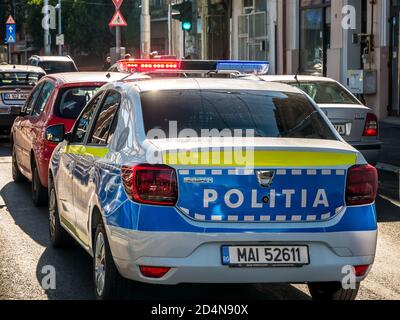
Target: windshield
324	92
71	101
57	66
268	114
19	78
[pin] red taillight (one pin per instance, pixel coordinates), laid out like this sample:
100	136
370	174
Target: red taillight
154	272
360	271
371	126
149	65
362	185
151	184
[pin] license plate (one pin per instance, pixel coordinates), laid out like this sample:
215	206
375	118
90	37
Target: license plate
258	256
15	96
341	128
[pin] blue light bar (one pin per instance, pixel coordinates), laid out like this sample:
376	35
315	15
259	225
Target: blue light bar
250	67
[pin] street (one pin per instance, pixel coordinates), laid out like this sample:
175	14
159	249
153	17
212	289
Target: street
25	250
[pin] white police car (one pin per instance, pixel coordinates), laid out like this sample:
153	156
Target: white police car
145	186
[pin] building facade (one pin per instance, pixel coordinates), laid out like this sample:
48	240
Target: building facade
320	37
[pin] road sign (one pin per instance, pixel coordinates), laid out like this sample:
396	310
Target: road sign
10	20
117	20
60	39
11	34
118	3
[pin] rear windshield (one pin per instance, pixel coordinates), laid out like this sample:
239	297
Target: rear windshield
71	101
57	66
324	92
269	114
19	78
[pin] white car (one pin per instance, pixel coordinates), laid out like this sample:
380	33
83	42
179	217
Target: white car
355	122
148	187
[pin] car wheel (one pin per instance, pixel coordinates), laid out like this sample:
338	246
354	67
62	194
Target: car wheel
16	173
59	237
39	193
108	283
332	291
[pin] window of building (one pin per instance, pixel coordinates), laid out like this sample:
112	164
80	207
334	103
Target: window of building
315	31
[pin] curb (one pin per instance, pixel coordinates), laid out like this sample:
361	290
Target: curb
387	167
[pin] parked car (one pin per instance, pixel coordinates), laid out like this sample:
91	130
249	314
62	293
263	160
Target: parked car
153	206
56	99
53	64
355	122
16	83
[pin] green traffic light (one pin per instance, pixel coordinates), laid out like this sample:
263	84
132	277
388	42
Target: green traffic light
187	26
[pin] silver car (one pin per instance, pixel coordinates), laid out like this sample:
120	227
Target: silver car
16	83
355	122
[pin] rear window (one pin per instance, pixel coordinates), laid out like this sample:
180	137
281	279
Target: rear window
19	78
323	92
269	114
71	101
57	66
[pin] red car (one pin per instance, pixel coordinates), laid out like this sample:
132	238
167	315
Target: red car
56	99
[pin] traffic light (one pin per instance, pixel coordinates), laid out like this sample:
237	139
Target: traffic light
184	15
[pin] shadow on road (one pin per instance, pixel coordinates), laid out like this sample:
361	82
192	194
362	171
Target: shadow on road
4	148
387	211
32	220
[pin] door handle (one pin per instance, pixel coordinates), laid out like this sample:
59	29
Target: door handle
71	167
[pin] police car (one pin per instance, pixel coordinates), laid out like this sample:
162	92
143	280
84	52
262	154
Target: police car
176	175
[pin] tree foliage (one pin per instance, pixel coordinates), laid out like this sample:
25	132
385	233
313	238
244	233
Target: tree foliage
85	24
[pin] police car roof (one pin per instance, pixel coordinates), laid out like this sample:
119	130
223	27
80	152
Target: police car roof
211	84
20	68
96	76
292	78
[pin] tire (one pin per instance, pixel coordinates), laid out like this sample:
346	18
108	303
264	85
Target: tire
332	291
59	237
17	176
108	283
39	193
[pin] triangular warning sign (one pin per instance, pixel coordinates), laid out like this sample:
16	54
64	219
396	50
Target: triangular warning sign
11	40
118	3
117	20
10	20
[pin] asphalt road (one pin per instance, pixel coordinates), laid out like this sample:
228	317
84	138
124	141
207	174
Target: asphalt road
25	252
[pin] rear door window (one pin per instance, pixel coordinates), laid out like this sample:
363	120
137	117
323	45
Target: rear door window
104	123
267	114
43	98
71	101
83	122
32	99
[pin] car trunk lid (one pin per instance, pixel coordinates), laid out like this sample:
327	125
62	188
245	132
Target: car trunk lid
283	180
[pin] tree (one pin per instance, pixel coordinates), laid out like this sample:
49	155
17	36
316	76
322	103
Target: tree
85	24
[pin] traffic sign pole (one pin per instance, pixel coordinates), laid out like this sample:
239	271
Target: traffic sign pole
117	21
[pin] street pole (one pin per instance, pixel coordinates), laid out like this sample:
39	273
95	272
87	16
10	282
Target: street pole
47	50
145	29
60	47
118	42
169	29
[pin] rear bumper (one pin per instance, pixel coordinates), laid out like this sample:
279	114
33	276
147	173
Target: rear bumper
196	258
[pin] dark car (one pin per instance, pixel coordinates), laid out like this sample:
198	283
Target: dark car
16	83
54	64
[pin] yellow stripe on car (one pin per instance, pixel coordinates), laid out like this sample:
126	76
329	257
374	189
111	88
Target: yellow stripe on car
97	152
259	158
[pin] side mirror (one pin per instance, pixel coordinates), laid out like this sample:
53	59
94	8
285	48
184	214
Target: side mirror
55	133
